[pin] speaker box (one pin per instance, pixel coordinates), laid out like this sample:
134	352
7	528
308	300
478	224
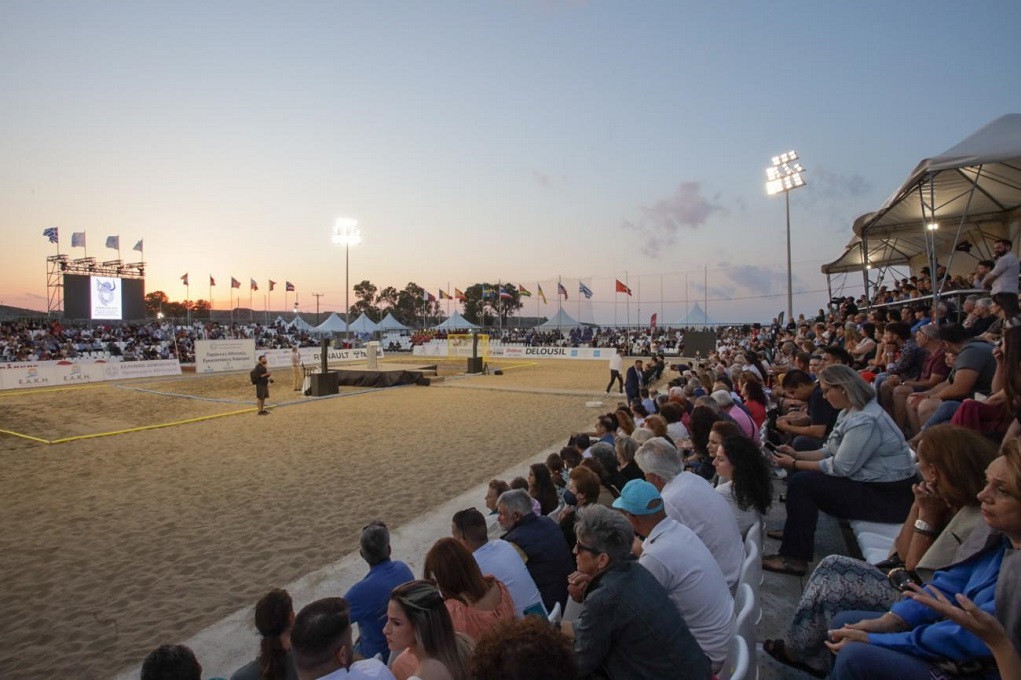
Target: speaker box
324	384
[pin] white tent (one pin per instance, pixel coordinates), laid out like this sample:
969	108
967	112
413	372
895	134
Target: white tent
334	324
300	324
364	324
560	320
695	317
389	323
454	322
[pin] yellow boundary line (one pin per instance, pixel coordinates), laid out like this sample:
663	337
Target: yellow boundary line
49	390
25	436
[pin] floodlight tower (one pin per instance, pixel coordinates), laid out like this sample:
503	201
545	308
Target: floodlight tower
786	175
346	233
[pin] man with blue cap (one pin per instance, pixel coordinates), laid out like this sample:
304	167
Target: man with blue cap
685	568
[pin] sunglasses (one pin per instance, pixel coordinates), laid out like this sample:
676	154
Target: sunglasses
581	547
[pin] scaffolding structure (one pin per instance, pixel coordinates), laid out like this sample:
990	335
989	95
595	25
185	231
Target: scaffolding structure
59	265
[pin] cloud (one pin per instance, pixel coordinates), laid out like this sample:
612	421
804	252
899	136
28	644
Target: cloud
542	179
660	223
757	278
829	185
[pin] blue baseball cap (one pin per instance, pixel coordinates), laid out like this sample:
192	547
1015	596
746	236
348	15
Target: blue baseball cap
639	497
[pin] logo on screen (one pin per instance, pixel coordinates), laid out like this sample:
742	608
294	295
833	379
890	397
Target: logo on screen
106	289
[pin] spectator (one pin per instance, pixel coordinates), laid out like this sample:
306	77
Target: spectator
743	421
744	480
1004	275
274	617
894	392
321	640
171	662
417	620
541	488
524	650
810	428
584	487
475	602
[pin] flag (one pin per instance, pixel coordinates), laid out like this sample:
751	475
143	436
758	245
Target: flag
542	295
428	297
504	295
621	288
52	234
113	242
523	292
585	290
444	295
561	290
652	322
138	246
487	293
234	283
254	285
272	285
184	279
78	239
288	286
212	281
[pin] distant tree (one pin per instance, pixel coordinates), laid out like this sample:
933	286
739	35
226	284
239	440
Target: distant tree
387	299
155	301
484	306
414	310
366	304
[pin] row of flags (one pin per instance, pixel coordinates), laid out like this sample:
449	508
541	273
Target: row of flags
503	294
253	285
78	239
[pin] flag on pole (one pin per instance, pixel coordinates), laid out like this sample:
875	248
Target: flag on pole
459	295
212	281
254	285
542	295
652	322
504	295
113	242
234	283
621	288
184	279
138	246
428	297
444	295
561	290
523	292
585	290
487	292
272	285
52	234
78	239
288	286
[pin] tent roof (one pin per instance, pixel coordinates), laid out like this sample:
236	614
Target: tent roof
979	176
300	324
389	323
455	321
696	317
560	320
333	324
364	324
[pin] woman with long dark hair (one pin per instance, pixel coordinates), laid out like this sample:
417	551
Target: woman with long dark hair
274	617
541	487
744	480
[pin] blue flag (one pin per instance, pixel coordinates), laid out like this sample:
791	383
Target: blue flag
585	290
113	242
52	234
78	239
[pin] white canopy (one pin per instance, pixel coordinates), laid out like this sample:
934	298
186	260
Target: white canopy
300	324
454	322
560	320
334	324
389	323
364	324
695	317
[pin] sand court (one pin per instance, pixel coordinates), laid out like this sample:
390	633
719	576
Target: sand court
114	544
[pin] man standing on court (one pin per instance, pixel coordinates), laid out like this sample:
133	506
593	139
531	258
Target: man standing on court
297	374
616	363
633	381
261	379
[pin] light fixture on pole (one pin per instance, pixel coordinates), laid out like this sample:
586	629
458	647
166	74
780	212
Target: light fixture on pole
785	175
346	233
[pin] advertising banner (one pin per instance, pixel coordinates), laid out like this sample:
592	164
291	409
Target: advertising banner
213	356
22	375
439	349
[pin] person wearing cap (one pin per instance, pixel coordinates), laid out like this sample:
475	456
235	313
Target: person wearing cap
893	393
684	567
628	628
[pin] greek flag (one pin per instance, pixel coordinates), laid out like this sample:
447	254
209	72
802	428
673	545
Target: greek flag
585	290
51	233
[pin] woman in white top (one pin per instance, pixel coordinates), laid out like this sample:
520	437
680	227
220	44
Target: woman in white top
743	474
417	620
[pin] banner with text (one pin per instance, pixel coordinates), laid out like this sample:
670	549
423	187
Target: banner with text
439	349
21	375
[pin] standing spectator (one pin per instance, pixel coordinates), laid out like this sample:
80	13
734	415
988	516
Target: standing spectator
633	381
1003	277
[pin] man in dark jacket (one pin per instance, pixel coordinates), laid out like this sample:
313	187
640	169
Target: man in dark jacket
541	544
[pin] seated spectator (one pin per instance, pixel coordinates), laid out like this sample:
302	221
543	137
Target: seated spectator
894	392
864	471
541	488
698	459
625	423
912	641
584	488
541	544
810	428
558	474
368	598
475	602
753	397
953	461
499	559
645	639
905	358
321	642
741	418
983	317
685	568
673	414
744	479
171	662
690	500
417	620
627	469
605	454
522	483
274	616
524	650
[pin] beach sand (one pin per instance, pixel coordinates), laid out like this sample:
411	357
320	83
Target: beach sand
113	545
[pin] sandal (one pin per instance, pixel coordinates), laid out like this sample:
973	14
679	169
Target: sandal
781	565
777	534
777	650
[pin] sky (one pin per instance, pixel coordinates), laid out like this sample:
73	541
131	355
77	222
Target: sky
529	141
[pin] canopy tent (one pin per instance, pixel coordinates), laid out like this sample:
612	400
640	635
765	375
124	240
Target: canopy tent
969	189
389	323
455	322
300	324
279	321
696	317
364	324
334	324
560	320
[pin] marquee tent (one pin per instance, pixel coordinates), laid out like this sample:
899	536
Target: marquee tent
696	317
334	324
364	324
455	322
560	320
389	323
300	324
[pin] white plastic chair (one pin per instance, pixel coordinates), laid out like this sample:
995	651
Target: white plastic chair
746	604
738	661
751	571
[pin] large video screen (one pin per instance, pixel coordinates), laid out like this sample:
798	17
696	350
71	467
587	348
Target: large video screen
103	298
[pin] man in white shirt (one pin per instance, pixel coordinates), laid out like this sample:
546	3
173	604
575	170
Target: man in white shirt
322	646
498	558
690	500
684	567
1003	277
616	363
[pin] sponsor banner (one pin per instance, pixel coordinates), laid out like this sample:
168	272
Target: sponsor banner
77	373
438	349
142	369
21	375
281	358
213	356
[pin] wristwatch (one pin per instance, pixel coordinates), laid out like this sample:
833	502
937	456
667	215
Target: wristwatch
923	527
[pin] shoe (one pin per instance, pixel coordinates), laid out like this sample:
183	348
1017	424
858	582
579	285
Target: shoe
263	413
776	649
781	565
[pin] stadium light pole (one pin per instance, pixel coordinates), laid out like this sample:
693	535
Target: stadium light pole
785	175
346	233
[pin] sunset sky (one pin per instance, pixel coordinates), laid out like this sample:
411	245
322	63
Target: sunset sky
517	141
